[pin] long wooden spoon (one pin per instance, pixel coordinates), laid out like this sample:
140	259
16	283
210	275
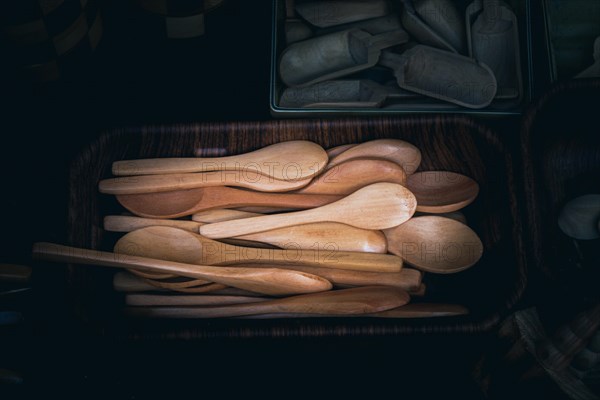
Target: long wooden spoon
180	203
351	175
170	182
377	206
442	191
435	244
408	279
394	150
293	160
172	244
323	236
149	300
269	281
353	301
412	310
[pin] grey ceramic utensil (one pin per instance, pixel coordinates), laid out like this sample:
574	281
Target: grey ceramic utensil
471	13
443	17
421	31
442	75
350	93
594	70
495	42
335	55
579	217
330	13
374	26
296	30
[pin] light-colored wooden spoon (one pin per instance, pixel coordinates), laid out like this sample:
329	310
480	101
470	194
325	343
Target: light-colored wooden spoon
353	301
455	215
442	191
322	236
153	300
408	279
180	203
126	282
293	160
579	217
435	244
170	182
337	150
398	151
126	223
351	175
377	206
222	214
424	310
172	244
269	281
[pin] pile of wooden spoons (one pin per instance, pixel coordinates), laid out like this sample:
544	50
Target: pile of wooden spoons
288	230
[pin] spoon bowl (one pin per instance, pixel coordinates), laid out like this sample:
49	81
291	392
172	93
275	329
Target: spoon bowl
351	175
435	244
398	151
442	191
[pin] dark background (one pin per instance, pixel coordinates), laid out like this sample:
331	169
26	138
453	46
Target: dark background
139	78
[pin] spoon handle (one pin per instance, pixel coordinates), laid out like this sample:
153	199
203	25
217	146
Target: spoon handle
353	301
261	280
407	279
245	226
169	182
126	223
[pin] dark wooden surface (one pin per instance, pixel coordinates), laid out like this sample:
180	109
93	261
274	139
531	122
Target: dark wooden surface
139	78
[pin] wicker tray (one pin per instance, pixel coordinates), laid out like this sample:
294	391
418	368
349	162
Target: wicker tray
561	157
457	144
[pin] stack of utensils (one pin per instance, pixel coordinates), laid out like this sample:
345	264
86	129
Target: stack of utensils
287	230
436	54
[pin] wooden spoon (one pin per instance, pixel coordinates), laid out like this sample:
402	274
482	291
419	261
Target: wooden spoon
180	203
398	151
424	310
412	310
269	281
442	191
222	214
149	300
351	175
337	150
377	206
435	244
343	237
353	301
293	160
177	245
323	236
169	182
408	279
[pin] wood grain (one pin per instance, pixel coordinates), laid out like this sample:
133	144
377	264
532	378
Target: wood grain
449	143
